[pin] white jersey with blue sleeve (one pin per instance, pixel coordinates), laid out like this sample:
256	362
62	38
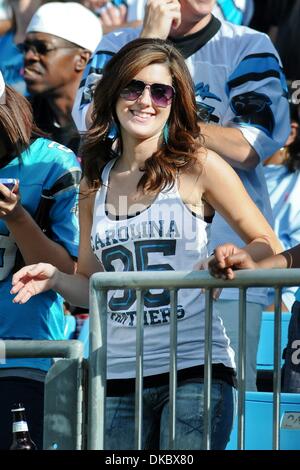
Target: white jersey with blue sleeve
49	176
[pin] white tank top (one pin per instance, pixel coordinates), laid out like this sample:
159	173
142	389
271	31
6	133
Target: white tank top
165	236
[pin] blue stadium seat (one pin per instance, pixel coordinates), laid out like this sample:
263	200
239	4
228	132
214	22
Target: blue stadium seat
266	347
70	327
84	337
259	419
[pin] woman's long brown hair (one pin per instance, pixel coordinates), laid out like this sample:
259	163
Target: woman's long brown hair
16	123
184	139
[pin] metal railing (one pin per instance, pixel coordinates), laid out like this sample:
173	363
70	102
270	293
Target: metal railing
63	400
101	283
68	349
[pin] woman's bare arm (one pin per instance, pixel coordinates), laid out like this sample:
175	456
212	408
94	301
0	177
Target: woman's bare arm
224	191
31	280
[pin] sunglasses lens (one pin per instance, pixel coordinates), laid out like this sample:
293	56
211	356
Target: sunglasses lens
133	90
36	47
162	94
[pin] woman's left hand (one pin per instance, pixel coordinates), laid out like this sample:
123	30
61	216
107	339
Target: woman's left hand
227	259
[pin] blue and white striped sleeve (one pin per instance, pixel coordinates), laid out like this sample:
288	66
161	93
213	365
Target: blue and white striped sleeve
257	94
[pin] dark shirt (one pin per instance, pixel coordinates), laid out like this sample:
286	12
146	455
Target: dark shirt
269	13
45	120
192	43
287	42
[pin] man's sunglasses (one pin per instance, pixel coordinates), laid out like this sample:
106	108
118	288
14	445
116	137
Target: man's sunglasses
161	94
40	47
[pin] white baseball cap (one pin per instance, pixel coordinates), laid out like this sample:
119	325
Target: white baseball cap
70	21
2	89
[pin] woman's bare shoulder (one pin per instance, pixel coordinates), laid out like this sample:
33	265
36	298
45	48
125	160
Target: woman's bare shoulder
205	159
211	161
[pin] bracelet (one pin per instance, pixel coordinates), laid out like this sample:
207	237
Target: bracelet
289	259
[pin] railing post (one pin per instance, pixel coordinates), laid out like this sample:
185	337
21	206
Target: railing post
139	369
241	368
277	370
97	369
173	368
207	369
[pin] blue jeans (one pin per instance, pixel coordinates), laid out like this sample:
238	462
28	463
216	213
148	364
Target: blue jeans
189	419
291	368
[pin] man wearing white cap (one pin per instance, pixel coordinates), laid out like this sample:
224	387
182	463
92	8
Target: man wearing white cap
59	41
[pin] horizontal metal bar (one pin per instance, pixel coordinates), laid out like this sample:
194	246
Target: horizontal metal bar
70	349
193	279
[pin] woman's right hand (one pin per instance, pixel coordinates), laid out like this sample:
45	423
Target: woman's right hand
229	258
32	280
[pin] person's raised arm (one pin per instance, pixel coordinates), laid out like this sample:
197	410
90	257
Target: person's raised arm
34	279
160	16
230	144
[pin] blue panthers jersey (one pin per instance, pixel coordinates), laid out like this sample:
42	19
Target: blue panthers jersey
47	170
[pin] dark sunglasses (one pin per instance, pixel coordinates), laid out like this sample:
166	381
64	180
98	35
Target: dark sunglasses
39	47
161	94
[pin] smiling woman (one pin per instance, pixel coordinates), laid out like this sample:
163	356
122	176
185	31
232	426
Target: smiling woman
148	197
